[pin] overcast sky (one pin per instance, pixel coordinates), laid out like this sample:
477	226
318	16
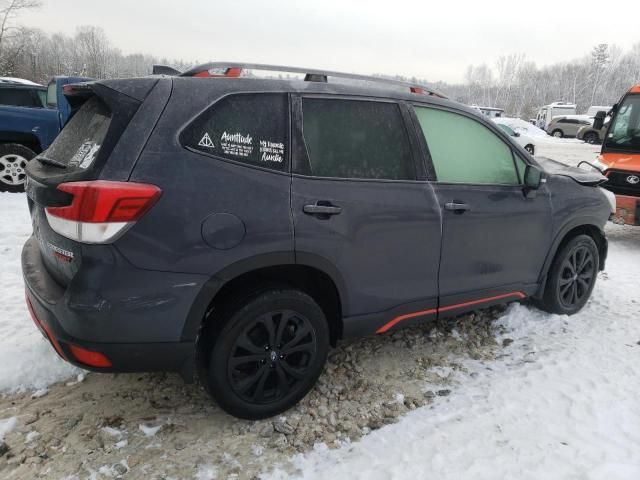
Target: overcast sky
435	41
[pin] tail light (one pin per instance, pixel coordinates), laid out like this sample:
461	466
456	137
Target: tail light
101	210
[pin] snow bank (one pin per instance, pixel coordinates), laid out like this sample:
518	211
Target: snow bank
562	403
27	361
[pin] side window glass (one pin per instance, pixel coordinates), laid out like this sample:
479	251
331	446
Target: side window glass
16	98
249	128
356	139
465	151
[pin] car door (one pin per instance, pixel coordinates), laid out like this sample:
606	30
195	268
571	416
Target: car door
363	210
495	234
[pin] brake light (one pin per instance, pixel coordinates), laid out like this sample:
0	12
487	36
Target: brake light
101	210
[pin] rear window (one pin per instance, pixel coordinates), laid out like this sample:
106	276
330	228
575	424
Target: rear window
80	140
18	98
247	128
52	95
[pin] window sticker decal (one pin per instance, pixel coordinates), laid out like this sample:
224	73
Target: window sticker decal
85	155
271	151
236	144
206	141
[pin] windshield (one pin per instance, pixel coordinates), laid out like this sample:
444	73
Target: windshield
507	129
624	133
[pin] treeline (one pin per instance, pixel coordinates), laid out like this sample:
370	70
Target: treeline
512	83
36	55
520	87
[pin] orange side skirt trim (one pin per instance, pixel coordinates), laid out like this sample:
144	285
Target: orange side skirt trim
407	316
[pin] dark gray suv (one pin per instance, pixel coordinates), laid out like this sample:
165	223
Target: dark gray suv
237	227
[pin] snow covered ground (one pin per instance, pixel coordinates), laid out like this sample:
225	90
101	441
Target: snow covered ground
561	404
567	150
26	360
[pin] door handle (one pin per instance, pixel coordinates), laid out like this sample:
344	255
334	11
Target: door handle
322	208
457	207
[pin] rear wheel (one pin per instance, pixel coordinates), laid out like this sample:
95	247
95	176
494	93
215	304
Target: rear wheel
591	138
269	353
572	276
13	164
558	133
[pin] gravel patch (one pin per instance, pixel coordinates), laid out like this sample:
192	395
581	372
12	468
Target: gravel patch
154	426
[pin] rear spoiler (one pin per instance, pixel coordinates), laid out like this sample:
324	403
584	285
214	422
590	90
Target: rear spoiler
164	70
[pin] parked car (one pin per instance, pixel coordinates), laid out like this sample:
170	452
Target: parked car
30	118
567	126
239	227
524	140
592	135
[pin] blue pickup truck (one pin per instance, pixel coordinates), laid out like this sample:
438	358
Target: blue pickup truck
31	116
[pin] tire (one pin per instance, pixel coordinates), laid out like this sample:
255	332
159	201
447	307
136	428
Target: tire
557	133
571	277
13	161
591	138
530	148
259	367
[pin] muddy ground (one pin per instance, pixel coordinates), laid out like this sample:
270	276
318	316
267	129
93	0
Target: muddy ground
153	426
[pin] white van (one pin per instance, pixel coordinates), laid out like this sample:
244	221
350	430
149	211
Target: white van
555	109
591	112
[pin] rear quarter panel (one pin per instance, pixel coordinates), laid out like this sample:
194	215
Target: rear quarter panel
196	186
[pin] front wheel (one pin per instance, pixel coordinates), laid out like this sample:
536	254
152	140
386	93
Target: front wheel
13	164
269	353
572	276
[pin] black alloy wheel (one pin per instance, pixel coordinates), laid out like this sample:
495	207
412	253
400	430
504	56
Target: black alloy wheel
577	276
572	276
271	356
267	353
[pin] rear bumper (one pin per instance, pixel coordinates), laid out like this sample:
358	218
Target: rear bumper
109	327
627	209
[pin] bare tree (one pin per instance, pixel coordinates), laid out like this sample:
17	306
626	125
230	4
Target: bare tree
9	10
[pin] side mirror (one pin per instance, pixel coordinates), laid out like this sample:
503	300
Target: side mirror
598	120
516	134
533	177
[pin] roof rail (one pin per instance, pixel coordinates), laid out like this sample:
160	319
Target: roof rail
234	70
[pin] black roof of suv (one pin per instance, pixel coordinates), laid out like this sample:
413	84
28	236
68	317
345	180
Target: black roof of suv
242	225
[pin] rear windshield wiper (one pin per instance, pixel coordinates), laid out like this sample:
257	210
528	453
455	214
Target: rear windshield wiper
50	161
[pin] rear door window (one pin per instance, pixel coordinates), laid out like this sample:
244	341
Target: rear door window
465	151
356	139
81	139
247	128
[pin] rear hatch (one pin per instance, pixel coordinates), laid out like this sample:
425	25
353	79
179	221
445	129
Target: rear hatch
101	114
